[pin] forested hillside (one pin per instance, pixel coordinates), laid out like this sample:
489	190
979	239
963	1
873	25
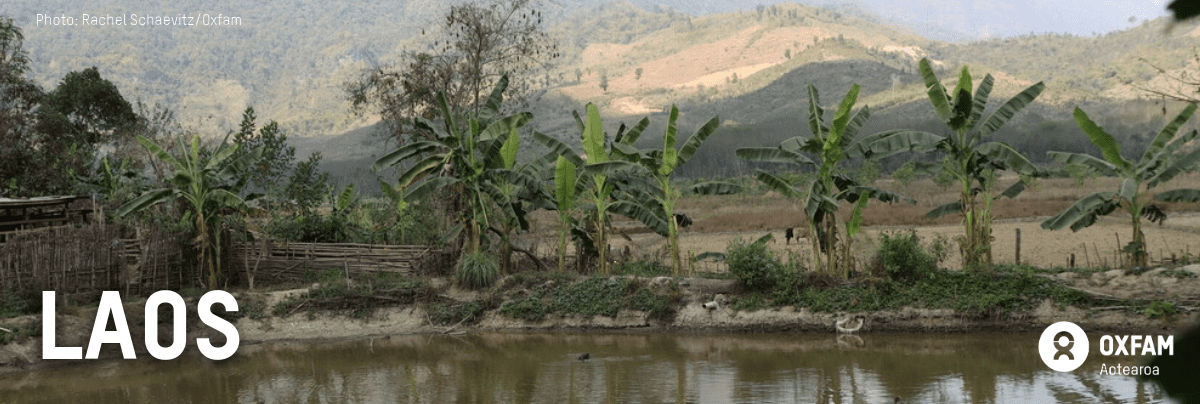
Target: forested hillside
291	60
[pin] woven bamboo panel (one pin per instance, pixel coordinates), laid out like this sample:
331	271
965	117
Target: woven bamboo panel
289	262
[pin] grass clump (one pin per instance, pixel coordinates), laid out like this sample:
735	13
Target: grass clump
476	270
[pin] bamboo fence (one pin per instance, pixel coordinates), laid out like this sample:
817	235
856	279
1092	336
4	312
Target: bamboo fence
87	259
290	262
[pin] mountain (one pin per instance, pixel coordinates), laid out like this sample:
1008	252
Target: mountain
751	69
290	59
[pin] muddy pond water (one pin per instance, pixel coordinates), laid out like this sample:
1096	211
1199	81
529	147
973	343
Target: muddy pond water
620	368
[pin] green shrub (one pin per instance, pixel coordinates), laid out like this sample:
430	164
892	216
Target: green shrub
1079	173
315	228
594	296
365	222
358	298
456	313
906	174
752	301
1177	273
1160	309
752	263
900	256
529	308
643	267
477	270
12	303
655	306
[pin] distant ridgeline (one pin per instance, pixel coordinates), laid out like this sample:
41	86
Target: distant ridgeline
291	60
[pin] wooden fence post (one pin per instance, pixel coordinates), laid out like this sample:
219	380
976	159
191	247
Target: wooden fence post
1018	246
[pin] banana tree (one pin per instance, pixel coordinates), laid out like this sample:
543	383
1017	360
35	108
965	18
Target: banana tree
663	197
831	145
210	184
565	180
517	189
969	159
594	146
464	158
1161	162
115	183
602	178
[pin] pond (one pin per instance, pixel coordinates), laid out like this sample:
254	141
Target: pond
621	368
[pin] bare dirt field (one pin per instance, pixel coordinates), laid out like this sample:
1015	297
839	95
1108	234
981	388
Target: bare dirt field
721	219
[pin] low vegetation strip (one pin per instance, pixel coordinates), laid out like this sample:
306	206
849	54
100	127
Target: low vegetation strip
1007	291
594	296
358	299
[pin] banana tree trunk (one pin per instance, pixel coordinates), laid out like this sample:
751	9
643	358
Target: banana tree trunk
673	238
602	241
815	239
562	244
975	247
473	236
986	224
1137	255
828	247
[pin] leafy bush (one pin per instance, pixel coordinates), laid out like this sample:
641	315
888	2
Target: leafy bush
752	264
900	256
477	270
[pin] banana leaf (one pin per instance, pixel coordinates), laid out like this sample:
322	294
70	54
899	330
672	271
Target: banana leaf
1083	212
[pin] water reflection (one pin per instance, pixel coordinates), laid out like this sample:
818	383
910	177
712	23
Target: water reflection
623	368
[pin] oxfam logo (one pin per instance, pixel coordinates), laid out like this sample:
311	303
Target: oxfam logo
1063	346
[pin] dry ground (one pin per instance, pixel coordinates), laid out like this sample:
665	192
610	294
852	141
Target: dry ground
721	219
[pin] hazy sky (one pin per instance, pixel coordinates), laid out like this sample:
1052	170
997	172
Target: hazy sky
976	19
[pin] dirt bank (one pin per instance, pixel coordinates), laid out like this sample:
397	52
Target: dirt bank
699	305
